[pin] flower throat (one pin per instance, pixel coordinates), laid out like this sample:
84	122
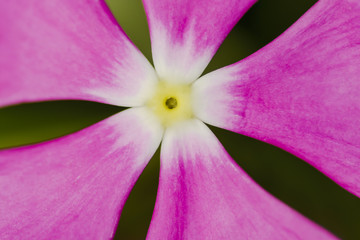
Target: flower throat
171	102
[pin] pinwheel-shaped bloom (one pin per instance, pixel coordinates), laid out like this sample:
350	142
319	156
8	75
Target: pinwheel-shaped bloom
301	93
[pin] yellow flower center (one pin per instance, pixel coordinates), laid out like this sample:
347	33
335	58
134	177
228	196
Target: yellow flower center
171	103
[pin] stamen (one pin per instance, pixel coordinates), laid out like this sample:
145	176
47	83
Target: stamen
171	103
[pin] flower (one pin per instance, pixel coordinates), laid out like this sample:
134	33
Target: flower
300	93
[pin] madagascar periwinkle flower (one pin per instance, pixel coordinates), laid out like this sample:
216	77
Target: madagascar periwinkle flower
300	93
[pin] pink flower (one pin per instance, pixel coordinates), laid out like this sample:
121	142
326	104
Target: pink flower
301	93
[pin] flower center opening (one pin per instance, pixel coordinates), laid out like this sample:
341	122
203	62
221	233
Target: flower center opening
171	102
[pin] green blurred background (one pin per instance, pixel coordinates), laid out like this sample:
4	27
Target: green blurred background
285	176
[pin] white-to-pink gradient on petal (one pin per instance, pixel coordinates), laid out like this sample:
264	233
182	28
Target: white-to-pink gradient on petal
203	194
65	49
185	34
74	187
300	92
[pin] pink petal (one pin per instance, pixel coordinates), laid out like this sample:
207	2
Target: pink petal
75	187
300	93
203	194
65	49
185	34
